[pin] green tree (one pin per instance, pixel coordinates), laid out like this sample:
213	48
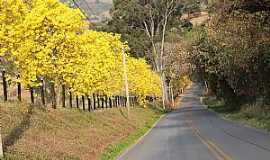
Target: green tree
232	52
146	22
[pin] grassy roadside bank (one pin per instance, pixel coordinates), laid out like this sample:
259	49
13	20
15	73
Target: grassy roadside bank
34	133
113	151
250	114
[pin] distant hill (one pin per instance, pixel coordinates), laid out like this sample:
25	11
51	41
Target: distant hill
97	10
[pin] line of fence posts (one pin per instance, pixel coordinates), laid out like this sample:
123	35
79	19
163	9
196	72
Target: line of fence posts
96	102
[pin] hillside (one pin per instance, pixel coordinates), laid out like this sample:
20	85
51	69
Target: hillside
31	133
97	10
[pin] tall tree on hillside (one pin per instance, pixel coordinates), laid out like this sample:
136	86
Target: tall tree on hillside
126	20
148	21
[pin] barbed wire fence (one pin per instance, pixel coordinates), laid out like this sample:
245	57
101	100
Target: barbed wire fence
56	96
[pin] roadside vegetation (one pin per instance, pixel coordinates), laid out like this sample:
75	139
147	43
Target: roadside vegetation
250	114
32	132
115	150
231	55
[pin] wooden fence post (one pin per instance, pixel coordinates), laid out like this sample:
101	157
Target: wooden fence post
54	103
131	101
42	89
63	96
110	102
94	101
70	99
125	101
19	89
4	85
106	101
32	95
77	102
98	101
113	101
134	101
89	103
117	101
83	102
121	102
102	102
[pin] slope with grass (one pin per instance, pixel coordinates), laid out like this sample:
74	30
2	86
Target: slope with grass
254	115
69	134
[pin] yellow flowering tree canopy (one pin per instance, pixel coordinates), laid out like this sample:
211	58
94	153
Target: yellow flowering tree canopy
12	13
45	39
142	79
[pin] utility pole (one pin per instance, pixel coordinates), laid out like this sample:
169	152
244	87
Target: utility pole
5	95
1	143
126	80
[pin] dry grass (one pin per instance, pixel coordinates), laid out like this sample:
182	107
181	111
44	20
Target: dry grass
35	133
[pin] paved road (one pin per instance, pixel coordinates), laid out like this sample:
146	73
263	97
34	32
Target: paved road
193	133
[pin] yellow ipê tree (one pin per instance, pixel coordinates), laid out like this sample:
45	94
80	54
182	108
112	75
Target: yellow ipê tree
47	39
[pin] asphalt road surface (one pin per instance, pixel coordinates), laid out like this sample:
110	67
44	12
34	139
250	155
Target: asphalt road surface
194	133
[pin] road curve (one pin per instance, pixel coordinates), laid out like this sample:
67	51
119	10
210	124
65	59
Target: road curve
194	133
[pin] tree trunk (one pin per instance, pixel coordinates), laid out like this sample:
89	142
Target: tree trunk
172	96
206	88
164	90
163	79
163	93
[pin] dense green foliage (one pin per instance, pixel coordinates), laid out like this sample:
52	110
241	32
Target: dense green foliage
130	16
232	53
